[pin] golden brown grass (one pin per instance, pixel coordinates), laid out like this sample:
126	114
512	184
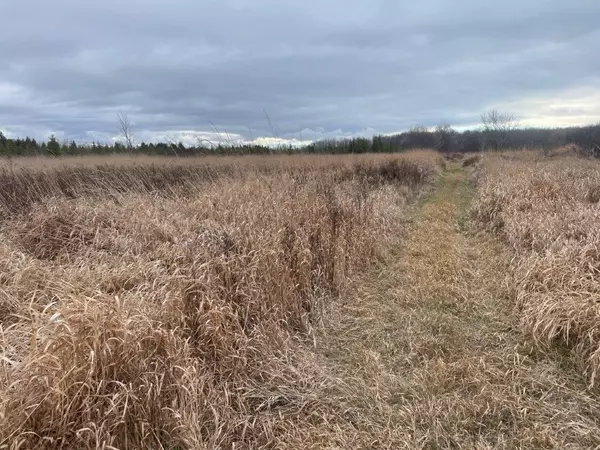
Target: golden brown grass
427	355
26	181
548	210
170	306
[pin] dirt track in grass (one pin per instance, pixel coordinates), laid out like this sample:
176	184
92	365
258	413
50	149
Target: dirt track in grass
427	351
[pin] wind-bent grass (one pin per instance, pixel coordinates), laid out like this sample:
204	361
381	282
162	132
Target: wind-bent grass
548	210
149	306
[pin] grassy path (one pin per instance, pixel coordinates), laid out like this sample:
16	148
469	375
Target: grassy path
427	353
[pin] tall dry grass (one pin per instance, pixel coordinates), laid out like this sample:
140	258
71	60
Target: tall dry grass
26	181
149	306
548	210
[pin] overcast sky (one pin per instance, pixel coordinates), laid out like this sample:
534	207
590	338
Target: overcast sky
318	68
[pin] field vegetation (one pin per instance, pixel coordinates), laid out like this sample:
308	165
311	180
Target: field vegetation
174	305
548	210
384	301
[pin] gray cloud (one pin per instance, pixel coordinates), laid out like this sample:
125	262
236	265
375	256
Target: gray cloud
323	68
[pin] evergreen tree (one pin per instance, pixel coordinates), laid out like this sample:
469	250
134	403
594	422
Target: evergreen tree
53	146
3	144
377	146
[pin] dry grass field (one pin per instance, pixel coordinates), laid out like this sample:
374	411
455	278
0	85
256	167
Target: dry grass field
428	350
155	303
322	302
548	211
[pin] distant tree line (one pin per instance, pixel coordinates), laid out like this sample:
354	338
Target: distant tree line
445	139
499	131
52	147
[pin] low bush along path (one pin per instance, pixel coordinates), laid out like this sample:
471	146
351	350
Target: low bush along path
427	350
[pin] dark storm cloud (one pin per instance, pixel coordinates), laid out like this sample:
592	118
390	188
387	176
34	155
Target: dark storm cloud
319	69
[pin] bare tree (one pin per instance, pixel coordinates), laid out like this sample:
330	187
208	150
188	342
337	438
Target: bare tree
498	125
126	130
444	136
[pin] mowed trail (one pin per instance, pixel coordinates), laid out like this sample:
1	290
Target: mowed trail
427	352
